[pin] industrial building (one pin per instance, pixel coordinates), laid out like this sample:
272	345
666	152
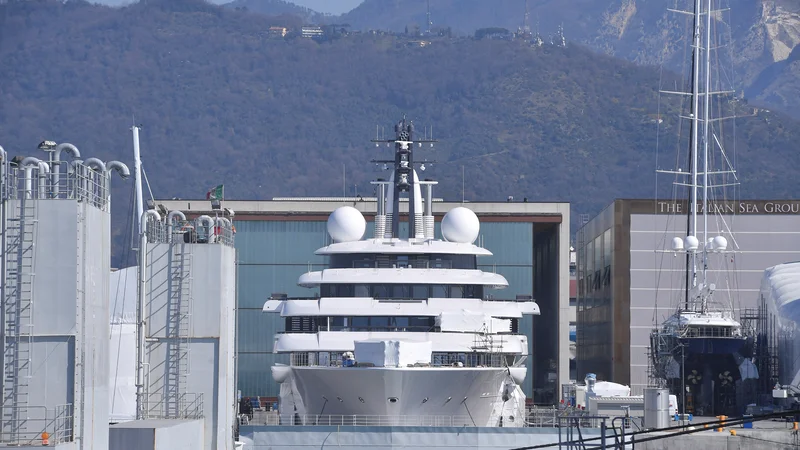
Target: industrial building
628	282
276	241
55	272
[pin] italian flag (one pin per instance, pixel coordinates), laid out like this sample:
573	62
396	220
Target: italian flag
215	193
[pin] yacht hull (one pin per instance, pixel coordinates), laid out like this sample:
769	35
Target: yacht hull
710	346
473	396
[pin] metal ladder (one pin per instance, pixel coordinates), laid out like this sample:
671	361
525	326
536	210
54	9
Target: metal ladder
178	327
18	319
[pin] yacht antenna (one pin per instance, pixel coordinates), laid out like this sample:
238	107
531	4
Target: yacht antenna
403	178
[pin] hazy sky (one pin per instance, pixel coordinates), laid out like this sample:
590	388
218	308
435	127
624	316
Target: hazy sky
323	6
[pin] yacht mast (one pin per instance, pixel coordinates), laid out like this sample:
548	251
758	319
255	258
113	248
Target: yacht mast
706	117
695	126
141	357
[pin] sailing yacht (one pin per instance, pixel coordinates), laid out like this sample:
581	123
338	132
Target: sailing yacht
699	349
404	331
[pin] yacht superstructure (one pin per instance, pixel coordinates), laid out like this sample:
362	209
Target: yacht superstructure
404	327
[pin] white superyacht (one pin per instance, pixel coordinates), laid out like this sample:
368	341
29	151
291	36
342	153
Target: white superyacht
404	331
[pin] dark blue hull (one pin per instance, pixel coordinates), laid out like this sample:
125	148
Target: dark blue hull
712	345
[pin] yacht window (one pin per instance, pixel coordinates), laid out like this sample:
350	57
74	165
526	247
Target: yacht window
456	291
400	322
419	291
401	291
337	323
360	324
362	290
439	291
418	323
381	291
379	322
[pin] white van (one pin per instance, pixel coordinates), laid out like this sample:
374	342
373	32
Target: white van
673	405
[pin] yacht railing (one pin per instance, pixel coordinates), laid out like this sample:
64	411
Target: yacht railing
401	263
275	419
702	330
438	359
538	417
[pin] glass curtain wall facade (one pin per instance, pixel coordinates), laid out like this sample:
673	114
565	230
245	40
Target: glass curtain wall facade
595	347
274	253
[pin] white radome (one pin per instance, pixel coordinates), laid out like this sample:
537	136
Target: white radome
460	225
692	243
346	224
720	243
677	244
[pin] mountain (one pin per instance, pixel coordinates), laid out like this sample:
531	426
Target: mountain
763	32
278	8
223	102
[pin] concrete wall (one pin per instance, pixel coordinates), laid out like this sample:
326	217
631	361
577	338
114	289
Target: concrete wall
211	336
69	354
157	435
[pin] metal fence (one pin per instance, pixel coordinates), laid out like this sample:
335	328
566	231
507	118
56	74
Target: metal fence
189	406
191	232
79	182
34	422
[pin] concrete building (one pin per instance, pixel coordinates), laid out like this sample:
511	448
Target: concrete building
312	32
276	241
189	323
628	283
277	32
55	272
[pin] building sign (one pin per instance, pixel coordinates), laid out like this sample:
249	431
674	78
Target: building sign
750	207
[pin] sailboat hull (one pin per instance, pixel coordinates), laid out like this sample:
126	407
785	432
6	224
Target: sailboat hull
710	346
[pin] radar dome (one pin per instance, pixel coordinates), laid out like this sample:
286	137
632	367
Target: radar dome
460	225
346	224
692	243
720	243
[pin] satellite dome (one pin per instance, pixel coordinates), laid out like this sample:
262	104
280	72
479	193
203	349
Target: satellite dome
460	225
346	224
720	243
692	243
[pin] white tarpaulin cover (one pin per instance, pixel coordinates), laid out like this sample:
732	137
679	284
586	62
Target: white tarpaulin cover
468	321
393	353
609	389
122	347
780	287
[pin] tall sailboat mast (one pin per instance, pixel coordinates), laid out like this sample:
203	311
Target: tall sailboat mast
695	127
706	121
